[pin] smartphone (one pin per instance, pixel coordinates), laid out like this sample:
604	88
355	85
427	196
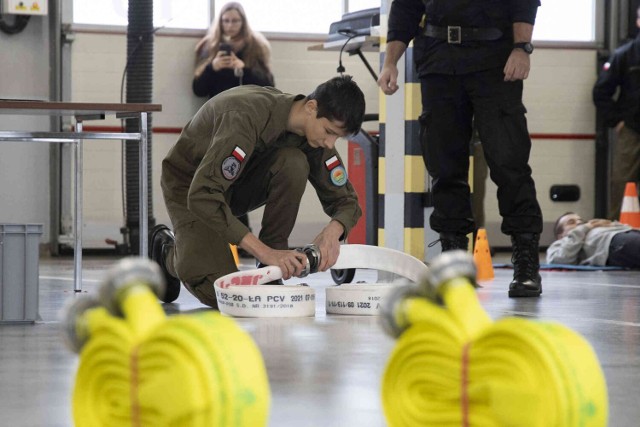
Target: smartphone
225	47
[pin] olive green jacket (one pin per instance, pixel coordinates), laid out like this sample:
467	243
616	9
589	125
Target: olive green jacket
218	141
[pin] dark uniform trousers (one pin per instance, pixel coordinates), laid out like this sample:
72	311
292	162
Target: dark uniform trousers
624	249
276	179
450	102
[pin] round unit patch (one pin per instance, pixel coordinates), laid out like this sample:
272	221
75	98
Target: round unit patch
339	176
230	168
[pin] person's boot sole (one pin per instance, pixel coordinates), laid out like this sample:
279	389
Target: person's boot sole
524	293
172	291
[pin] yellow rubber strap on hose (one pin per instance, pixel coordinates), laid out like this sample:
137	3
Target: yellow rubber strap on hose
459	297
141	310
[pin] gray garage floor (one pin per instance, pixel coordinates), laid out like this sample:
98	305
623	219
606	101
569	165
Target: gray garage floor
325	370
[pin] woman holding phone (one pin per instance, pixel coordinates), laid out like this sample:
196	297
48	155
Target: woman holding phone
231	54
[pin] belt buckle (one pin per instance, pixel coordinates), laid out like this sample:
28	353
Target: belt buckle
454	34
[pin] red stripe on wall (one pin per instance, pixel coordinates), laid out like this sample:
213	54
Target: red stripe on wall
562	136
158	129
177	130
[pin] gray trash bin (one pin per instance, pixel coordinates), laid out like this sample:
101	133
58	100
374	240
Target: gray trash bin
19	276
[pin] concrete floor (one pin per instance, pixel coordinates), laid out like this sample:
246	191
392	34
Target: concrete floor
324	371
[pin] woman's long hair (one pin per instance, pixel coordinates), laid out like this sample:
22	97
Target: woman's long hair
255	47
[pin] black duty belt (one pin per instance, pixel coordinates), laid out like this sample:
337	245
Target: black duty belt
456	34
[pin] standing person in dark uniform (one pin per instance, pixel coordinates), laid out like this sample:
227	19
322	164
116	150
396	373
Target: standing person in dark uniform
231	54
471	58
622	72
250	147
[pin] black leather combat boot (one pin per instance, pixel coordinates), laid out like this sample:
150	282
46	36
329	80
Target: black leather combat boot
526	266
452	241
160	240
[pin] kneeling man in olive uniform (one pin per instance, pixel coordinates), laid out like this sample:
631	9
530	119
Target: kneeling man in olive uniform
245	148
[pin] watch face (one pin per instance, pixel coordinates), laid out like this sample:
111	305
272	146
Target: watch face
527	47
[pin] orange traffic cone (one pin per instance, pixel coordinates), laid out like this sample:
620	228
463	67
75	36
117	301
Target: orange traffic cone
482	256
630	211
234	251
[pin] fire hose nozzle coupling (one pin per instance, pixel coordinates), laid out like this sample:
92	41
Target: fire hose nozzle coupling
313	257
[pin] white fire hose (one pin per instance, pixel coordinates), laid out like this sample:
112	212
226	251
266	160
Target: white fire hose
245	294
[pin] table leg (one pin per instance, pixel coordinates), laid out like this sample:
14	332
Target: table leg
77	201
144	187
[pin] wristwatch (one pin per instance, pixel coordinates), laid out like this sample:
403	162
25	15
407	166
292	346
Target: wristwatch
526	46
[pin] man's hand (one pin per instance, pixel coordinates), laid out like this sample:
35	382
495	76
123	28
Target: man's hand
328	243
291	263
388	80
518	66
599	223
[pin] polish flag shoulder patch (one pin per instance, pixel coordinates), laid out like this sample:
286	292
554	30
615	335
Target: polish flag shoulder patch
239	153
332	162
231	165
606	66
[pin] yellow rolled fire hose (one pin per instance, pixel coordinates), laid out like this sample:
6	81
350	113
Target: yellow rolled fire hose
453	366
139	368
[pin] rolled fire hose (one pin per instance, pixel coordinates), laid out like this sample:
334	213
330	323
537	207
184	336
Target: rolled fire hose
238	295
139	368
366	299
453	366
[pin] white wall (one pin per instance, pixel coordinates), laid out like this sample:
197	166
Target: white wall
24	166
557	95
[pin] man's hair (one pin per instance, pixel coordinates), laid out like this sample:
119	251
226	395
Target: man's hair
557	228
340	99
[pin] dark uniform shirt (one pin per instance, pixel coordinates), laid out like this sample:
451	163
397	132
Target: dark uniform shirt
437	56
622	71
242	124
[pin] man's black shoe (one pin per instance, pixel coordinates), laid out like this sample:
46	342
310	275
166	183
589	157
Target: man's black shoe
452	242
160	240
526	267
273	282
526	288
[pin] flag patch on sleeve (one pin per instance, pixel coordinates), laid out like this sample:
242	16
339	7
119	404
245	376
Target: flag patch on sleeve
239	153
231	165
332	162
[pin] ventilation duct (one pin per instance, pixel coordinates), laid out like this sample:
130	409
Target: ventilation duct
140	35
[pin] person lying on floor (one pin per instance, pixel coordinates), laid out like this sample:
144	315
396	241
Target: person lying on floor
598	242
